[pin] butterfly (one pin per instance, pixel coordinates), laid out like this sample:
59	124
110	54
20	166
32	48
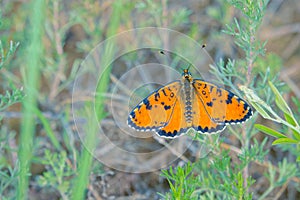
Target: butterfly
186	104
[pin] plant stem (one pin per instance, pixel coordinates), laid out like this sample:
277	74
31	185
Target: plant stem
85	161
59	49
31	81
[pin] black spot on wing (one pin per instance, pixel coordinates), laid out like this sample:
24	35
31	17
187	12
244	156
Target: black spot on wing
219	92
132	114
167	107
229	98
210	104
163	90
156	96
135	124
171	134
246	117
147	104
219	127
246	106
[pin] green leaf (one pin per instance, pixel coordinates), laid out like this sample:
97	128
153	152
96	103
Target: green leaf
298	159
47	128
280	102
269	131
261	111
285	141
291	120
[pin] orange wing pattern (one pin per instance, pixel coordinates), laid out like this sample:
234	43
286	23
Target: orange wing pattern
155	111
221	105
177	124
202	121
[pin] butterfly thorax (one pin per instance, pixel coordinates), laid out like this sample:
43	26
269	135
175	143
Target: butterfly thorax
187	92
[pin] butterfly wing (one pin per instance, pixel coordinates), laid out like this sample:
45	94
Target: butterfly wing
155	111
221	105
177	124
202	121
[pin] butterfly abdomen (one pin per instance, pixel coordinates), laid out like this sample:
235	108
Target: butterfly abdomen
187	90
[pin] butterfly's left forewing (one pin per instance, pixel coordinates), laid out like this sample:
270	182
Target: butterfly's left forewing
155	111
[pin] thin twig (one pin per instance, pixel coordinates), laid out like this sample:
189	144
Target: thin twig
59	49
174	151
282	189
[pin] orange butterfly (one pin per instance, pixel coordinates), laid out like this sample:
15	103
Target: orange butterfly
188	103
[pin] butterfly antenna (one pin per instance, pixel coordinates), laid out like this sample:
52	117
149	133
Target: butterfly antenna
188	68
204	49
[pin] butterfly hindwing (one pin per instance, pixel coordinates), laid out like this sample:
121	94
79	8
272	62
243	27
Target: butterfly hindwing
221	105
177	123
155	110
202	122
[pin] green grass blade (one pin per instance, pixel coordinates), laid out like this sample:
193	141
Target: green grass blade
32	74
48	129
85	161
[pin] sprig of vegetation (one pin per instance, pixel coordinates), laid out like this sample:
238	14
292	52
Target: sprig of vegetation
11	97
58	174
212	176
267	112
181	184
6	54
15	95
286	172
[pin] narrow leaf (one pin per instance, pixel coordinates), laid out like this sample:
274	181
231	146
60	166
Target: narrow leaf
289	119
261	111
285	141
269	131
48	129
280	102
292	122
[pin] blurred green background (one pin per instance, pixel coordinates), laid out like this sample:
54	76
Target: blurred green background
42	46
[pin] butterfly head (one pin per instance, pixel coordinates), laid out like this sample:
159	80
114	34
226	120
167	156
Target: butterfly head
187	75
